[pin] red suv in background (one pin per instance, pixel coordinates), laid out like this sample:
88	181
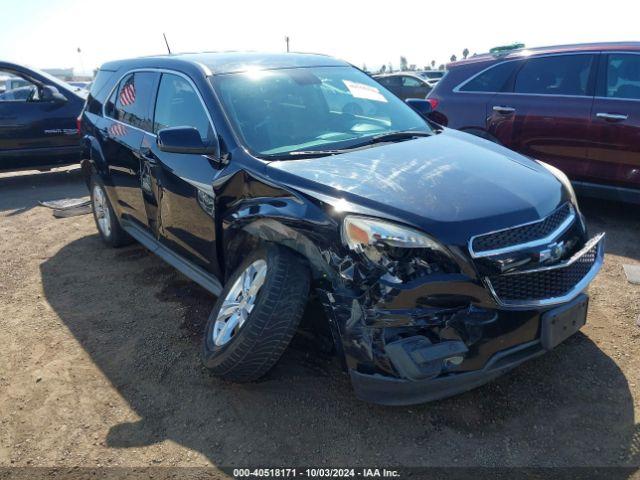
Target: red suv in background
576	107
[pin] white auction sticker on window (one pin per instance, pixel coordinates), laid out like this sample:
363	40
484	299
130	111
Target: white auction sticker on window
360	90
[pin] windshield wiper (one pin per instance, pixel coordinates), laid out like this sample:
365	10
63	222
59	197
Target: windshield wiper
304	154
381	138
400	135
315	153
392	137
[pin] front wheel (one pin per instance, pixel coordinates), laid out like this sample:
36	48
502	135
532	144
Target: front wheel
256	314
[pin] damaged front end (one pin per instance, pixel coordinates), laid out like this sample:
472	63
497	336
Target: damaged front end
418	321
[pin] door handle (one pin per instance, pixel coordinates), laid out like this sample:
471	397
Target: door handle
612	117
503	109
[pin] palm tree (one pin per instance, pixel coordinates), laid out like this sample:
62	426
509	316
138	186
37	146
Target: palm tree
465	53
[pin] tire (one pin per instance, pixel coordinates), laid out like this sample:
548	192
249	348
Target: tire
248	351
106	221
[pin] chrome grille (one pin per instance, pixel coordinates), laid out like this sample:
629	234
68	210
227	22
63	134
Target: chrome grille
551	284
492	243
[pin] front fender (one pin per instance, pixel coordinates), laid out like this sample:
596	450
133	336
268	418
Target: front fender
290	221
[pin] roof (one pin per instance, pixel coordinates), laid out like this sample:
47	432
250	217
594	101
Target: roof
525	52
229	62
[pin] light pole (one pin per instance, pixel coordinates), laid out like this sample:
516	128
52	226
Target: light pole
81	62
286	39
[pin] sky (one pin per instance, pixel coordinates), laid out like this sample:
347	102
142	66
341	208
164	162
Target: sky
47	34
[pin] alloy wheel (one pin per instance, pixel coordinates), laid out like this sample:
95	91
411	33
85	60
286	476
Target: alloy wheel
239	303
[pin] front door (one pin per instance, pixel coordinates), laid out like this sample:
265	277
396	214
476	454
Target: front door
545	112
34	133
185	219
614	155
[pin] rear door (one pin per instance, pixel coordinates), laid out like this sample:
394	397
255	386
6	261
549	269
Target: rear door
614	155
127	118
545	113
462	97
186	205
393	84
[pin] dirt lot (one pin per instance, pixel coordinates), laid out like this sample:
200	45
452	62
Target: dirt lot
99	365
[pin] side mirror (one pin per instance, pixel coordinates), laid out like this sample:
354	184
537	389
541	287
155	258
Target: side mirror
184	140
51	94
420	105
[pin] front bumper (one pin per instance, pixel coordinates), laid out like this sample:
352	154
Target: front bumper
386	390
399	352
555	326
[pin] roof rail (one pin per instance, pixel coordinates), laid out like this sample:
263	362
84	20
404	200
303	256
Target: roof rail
504	49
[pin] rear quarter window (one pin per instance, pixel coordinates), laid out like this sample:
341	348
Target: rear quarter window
493	79
99	90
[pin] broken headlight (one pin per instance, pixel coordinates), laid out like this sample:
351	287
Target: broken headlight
405	253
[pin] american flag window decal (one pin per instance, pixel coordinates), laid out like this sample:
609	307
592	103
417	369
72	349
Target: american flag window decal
128	92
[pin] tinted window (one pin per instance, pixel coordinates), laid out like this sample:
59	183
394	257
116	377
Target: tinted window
178	105
391	81
623	76
129	103
556	75
492	80
100	82
279	111
411	82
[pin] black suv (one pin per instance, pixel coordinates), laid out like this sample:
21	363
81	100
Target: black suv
440	259
38	116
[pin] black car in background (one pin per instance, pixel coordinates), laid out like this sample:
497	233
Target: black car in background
441	260
406	85
38	115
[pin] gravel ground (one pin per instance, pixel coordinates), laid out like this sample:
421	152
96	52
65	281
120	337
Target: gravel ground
99	366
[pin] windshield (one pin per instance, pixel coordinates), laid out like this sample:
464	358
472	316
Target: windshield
276	112
432	75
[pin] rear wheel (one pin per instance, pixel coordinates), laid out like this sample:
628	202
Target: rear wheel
108	226
256	314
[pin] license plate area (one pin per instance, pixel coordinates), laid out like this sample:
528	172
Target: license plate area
560	323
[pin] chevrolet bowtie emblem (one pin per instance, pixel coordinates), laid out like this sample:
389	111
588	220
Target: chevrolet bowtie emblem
553	252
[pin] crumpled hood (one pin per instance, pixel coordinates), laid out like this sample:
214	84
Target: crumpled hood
452	185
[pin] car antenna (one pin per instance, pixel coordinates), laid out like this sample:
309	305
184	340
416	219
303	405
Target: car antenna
165	41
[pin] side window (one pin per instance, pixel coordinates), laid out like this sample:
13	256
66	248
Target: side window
623	76
178	105
17	89
492	80
391	82
556	75
129	103
411	82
